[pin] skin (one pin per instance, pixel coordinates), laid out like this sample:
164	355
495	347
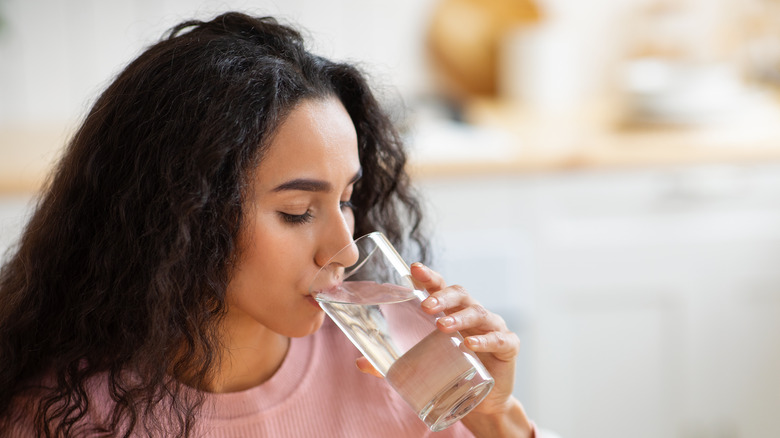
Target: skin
297	219
299	208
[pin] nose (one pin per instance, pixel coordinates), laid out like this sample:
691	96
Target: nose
337	245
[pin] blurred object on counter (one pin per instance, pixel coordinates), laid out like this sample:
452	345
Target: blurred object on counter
438	134
464	42
683	66
695	30
761	50
567	60
679	92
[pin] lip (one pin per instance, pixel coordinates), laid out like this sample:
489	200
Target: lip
312	301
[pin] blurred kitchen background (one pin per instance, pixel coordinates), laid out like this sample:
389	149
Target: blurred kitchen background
605	174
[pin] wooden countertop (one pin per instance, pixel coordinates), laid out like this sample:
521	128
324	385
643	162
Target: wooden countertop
595	138
589	139
27	154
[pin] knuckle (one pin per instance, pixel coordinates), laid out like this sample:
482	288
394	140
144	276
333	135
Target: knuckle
480	310
460	290
438	295
513	340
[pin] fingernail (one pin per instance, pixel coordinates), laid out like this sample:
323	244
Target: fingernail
447	321
430	303
473	342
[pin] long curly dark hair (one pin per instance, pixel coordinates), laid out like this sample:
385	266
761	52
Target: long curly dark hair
122	270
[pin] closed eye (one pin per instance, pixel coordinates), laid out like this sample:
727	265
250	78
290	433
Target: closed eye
296	219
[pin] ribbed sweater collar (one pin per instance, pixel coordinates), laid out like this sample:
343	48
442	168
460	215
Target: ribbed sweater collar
290	378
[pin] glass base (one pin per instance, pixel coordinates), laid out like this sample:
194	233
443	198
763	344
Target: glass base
455	402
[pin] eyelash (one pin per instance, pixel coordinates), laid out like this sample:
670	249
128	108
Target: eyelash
296	219
299	219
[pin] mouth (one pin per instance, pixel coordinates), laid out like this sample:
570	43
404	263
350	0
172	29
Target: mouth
312	301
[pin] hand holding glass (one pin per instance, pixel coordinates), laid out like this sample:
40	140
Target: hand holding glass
376	304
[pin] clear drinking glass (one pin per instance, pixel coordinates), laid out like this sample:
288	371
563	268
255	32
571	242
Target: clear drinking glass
377	306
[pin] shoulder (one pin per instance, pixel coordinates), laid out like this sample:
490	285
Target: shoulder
23	414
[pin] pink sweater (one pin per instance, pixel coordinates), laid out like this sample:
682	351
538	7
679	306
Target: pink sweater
317	392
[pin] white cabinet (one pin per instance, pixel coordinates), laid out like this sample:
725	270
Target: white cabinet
648	302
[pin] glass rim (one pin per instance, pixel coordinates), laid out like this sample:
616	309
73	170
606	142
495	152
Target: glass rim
379	241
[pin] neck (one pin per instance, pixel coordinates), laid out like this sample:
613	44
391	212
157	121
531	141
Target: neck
252	354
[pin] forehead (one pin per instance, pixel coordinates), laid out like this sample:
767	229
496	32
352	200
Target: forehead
317	140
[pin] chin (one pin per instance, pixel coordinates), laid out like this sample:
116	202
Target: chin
308	328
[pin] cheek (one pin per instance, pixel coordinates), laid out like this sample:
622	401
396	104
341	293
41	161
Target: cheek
265	269
278	249
259	252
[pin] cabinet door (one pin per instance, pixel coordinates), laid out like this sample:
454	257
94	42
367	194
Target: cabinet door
647	302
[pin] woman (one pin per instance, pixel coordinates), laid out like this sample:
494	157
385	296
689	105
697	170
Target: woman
160	288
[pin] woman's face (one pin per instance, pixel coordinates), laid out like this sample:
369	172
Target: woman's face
297	217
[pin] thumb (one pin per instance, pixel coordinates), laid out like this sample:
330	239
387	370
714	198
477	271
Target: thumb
365	366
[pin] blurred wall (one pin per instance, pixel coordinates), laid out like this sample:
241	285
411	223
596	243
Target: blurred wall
57	55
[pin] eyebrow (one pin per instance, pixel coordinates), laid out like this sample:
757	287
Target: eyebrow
312	185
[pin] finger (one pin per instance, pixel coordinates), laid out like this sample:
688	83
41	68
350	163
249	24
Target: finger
503	345
365	366
431	281
474	316
448	300
427	278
